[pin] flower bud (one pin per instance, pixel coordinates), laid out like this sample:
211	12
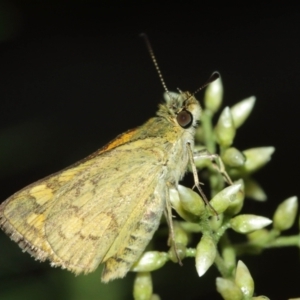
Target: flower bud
229	256
258	235
181	236
213	95
205	254
216	221
285	214
181	240
176	204
225	130
236	204
254	190
228	289
142	286
232	157
256	158
222	200
263	298
241	110
190	227
177	251
244	280
191	201
248	223
150	261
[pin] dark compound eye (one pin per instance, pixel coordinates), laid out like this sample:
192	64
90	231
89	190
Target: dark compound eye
185	119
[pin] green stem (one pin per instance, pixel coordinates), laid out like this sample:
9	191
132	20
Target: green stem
206	122
285	241
190	252
256	247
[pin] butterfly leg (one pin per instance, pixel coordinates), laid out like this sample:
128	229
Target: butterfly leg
216	162
169	218
196	178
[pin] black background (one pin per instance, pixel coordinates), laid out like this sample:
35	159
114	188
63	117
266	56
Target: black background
74	75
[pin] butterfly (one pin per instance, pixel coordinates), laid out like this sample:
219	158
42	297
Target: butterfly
106	208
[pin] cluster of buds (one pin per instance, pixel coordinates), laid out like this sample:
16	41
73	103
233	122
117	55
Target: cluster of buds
214	246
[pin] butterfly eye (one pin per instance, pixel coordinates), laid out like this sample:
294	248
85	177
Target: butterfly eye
184	119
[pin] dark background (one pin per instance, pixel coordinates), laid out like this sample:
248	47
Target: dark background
74	75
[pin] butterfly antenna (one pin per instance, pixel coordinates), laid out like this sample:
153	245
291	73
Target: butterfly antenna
214	76
149	47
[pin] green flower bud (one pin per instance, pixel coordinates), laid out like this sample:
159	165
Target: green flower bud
190	227
177	205
236	204
221	201
254	190
179	251
181	240
262	298
150	261
225	130
142	286
232	157
256	158
216	222
285	214
229	256
181	235
241	111
228	289
248	223
244	280
213	95
258	235
191	201
206	252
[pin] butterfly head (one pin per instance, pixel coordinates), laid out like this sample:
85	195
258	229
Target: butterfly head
183	109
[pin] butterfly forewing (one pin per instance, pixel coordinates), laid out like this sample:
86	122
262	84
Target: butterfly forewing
96	213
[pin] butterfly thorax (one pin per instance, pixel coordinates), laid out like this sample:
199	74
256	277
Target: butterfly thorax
169	135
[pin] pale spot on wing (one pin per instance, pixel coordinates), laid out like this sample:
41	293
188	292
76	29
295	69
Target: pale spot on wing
103	221
36	220
71	227
68	174
41	193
